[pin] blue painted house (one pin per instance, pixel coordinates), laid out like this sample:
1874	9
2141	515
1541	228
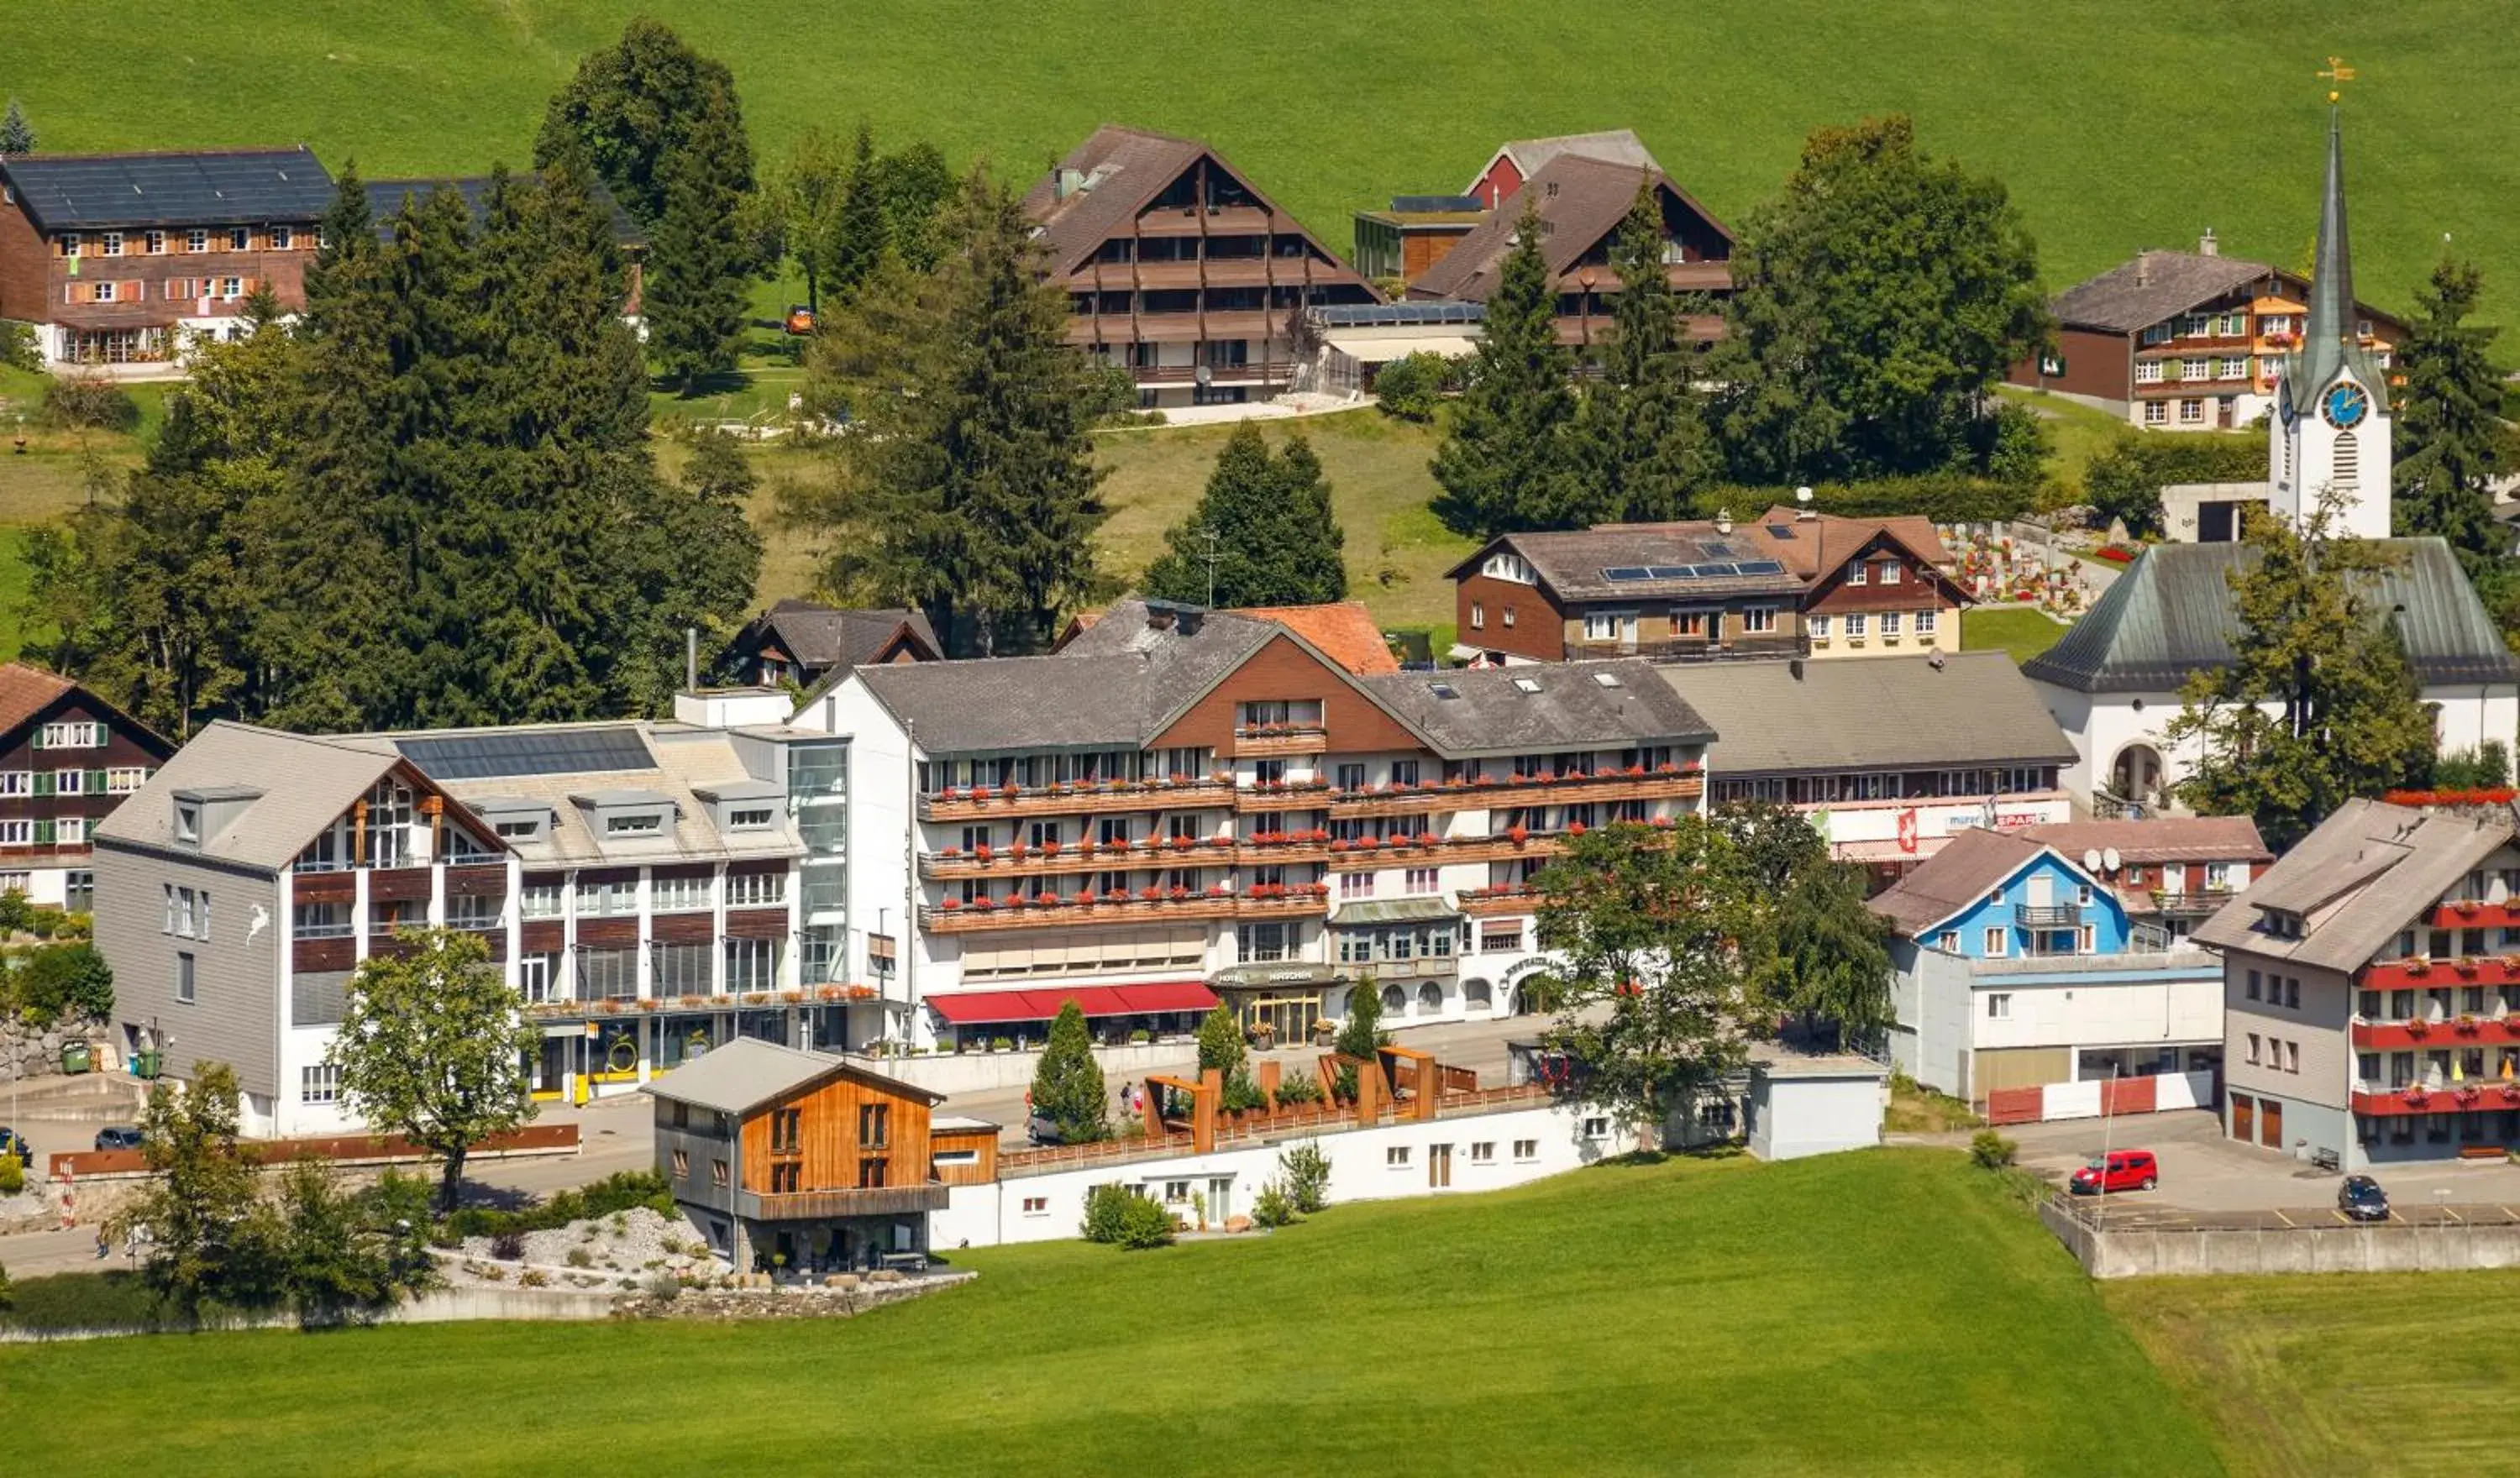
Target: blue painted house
2019	969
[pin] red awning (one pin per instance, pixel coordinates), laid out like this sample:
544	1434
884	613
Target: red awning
983	1007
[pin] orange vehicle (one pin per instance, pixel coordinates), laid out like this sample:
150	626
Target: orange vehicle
800	319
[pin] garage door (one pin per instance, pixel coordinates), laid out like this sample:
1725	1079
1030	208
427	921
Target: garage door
2244	1119
2270	1123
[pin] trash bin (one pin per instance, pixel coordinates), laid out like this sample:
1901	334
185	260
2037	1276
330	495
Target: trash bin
76	1057
145	1063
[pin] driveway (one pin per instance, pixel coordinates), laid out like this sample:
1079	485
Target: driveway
2207	1179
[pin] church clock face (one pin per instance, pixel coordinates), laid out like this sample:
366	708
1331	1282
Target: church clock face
2345	405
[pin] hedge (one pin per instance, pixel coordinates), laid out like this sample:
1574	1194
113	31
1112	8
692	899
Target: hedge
614	1193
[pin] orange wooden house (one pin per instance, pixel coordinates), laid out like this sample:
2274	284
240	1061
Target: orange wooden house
803	1160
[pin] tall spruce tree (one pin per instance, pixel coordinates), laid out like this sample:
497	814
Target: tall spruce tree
2451	438
1267	522
860	237
16	135
2320	703
1880	299
1067	1086
696	281
1506	463
1642	437
971	491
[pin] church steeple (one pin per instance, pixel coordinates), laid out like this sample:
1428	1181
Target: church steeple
2330	342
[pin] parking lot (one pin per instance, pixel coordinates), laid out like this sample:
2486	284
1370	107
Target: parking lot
2208	1181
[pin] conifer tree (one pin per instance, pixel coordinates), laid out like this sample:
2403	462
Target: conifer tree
1506	463
1641	436
1067	1087
16	135
1266	519
2452	440
860	238
1220	1042
696	279
916	187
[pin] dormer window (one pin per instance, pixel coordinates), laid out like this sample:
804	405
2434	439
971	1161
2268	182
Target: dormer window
518	830
1857	573
749	819
188	821
640	823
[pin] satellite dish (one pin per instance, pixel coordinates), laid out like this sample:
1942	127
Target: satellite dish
1803	495
1203	375
2092	859
2110	860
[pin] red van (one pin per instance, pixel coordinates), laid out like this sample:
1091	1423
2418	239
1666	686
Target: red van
2127	1170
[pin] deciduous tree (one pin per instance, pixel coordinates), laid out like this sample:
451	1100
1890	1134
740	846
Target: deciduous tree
1658	938
1067	1086
1878	301
2122	482
1266	517
635	104
2320	703
432	1046
1830	954
201	1194
807	191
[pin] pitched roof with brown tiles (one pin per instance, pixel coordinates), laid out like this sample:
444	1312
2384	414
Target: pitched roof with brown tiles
25	691
1965	870
1344	631
2154	286
2159	839
1573	565
1580	201
1816	543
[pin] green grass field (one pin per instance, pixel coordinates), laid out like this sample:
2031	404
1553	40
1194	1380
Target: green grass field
2024	633
1885	1314
2306	1374
2116	127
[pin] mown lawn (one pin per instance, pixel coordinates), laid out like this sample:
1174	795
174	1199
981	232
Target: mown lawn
1356	103
2323	1375
2024	633
1887	1312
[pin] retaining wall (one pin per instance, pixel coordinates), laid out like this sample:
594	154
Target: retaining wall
2385	1247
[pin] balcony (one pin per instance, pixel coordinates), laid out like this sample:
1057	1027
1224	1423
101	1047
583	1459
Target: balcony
2476	914
1733	648
1296	900
2422	1032
1059	859
1576	788
2420	973
1395	851
1498	899
990	803
2190	905
1264	740
1274	371
2438	1097
814	1205
1284	795
2044	915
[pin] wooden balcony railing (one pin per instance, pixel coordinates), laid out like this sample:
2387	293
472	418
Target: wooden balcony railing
1294	901
1263	740
987	803
879	1200
1501	899
1286	795
1670	782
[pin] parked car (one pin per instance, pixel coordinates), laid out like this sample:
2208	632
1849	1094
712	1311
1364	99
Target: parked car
1044	1129
2362	1199
12	1142
118	1137
2126	1170
800	319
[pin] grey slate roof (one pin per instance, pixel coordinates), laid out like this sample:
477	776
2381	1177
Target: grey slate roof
1114	686
310	782
1870	713
89	192
2170	613
1612	145
823	636
2365	874
2154	286
749	1072
1391	911
1569	563
385	201
1965	870
1551	705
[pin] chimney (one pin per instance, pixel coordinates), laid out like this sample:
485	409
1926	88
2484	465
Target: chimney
1159	615
1724	520
2144	269
2206	246
692	657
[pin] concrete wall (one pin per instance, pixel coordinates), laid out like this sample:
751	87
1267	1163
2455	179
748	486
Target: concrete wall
2386	1247
1363	1168
1933	1001
1791	1117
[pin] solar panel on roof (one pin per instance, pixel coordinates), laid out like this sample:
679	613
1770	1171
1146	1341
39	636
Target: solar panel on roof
561	752
1668	571
1621	575
1718	547
1711	571
1781	531
1761	567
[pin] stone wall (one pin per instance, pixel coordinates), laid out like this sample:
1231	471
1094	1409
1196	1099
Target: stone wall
32	1051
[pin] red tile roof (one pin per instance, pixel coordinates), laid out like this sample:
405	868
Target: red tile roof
25	691
1343	630
1822	542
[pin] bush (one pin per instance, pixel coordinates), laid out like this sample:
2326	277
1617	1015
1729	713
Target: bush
533	1278
93	404
664	1287
116	1300
1991	1150
1220	1042
1943	497
1300	1087
579	1257
1410	388
12	1176
1105	1209
1273	1207
5	1297
1146	1224
65	979
622	1191
1242	1095
1118	1216
17	913
509	1246
1305	1173
2487	767
20	349
2124	480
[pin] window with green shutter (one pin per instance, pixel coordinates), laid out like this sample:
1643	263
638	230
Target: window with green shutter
43	834
95	783
43	783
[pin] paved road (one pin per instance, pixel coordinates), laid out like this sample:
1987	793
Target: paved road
2207	1179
